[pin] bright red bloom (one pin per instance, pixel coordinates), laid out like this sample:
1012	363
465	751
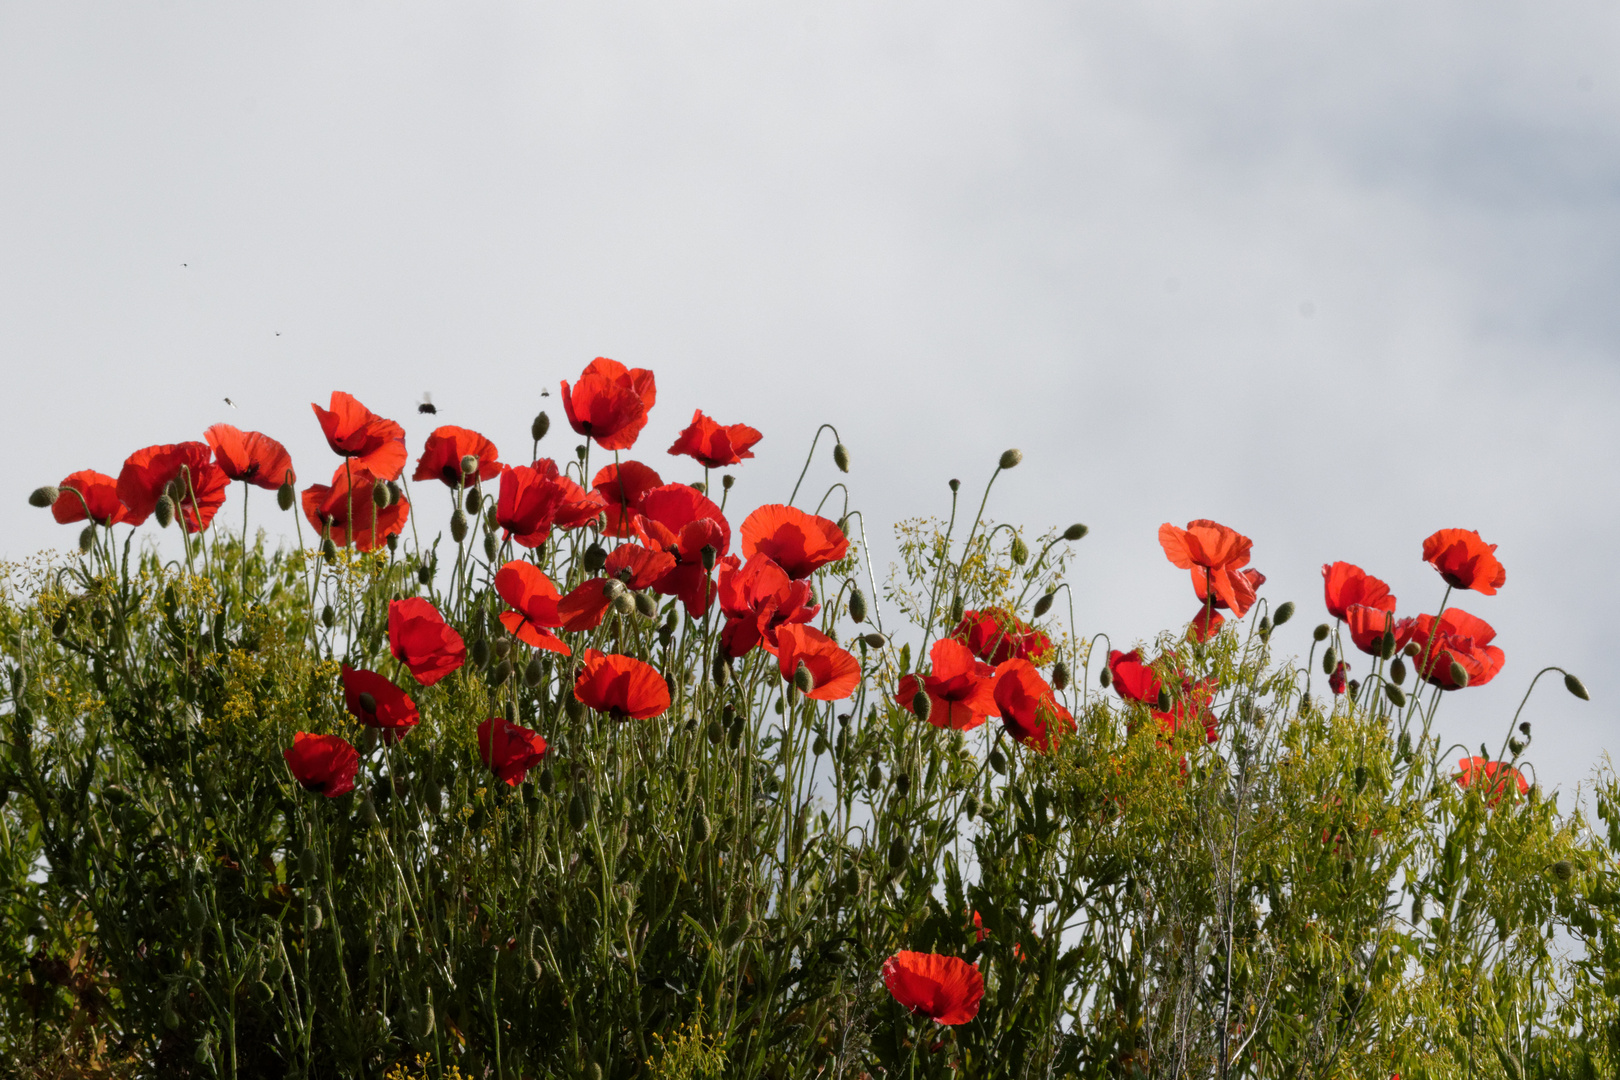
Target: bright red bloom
1245	583
798	542
376	702
833	670
979	932
420	639
536	498
758	598
250	456
609	403
1465	560
533	599
1028	706
508	750
1205	625
1345	586
1368	625
328	507
199	483
354	431
1134	680
1492	776
324	764
961	688
945	988
1460	638
1191	708
1214	550
1339	679
638	567
96	492
585	606
997	635
621	686
680	521
622	487
714	445
442	454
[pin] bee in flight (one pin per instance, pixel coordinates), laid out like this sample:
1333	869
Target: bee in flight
426	405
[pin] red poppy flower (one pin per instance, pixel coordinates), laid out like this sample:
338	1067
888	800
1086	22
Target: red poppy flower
621	686
798	542
1134	680
997	635
1368	625
327	506
508	750
757	599
1028	706
680	521
1214	550
1245	583
250	456
713	445
533	599
835	672
420	639
536	498
324	764
199	483
88	490
1459	639
376	702
1205	625
979	932
585	606
1493	777
946	988
961	688
1339	679
369	441
622	487
1345	586
442	454
1190	709
609	403
1465	560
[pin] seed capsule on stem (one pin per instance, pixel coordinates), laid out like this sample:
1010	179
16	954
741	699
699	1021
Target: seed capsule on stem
539	426
1011	458
1459	675
1044	604
285	496
458	525
1076	531
857	606
1321	632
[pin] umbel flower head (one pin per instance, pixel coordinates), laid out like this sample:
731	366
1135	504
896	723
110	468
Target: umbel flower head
947	989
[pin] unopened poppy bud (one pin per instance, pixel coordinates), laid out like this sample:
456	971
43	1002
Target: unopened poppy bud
997	760
874	641
646	605
613	588
87	538
546	780
699	486
285	495
328	616
922	705
164	511
539	426
1044	604
1164	699
458	525
1321	632
308	864
576	812
802	678
902	783
1459	675
1284	612
625	603
1397	696
1563	869
1412	648
534	672
1330	660
1019	550
819	747
316	917
473	501
1076	531
898	853
329	550
502	672
874	776
1576	687
721	670
1011	458
957	608
368	702
43	497
857	606
841	457
970	806
491	546
700	828
1355	687
574	707
1105	678
595	558
843	525
955	484
709	555
1060	676
479	651
174	490
379	496
1386	645
424	575
395	492
1515	747
727	480
368	811
1397	671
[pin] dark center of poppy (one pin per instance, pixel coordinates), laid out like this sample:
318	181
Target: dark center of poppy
452	476
251	471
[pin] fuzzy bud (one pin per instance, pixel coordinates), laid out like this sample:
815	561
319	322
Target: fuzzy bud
308	864
700	827
1019	550
1060	676
1515	747
1011	458
727	481
379	496
1330	660
473	501
802	678
957	608
1321	632
458	525
329	550
841	457
1412	648
857	606
87	538
502	672
491	546
1164	699
43	497
534	672
1386	645
898	853
721	670
1397	696
368	811
1076	531
1563	869
328	616
576	812
970	806
581	451
539	426
1397	671
595	558
646	605
164	511
625	603
874	641
1576	687
902	784
997	760
479	651
1044	604
1459	675
1105	678
699	486
709	555
424	574
922	705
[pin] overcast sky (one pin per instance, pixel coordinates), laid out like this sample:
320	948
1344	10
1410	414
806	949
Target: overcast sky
1337	274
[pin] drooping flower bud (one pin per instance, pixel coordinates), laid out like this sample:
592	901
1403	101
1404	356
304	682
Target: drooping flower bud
174	490
424	574
43	497
540	425
576	812
328	616
379	496
87	538
646	605
802	678
164	511
1164	699
1044	604
1576	687
1060	676
1397	696
474	501
458	526
841	457
1011	458
329	550
922	705
595	558
480	651
1459	675
1397	671
1330	660
1284	612
700	827
997	760
902	784
1019	550
898	853
395	492
625	603
970	806
1105	678
1076	531
857	605
491	546
1321	632
957	608
285	496
502	671
721	669
1386	645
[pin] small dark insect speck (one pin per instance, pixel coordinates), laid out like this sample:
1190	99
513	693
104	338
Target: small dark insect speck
231	403
427	405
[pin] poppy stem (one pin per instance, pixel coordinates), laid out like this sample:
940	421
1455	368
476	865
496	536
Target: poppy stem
811	456
1525	701
245	488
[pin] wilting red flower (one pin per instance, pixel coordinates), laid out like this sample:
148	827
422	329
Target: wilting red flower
1339	679
376	702
442	454
1368	625
961	688
1244	586
622	487
834	671
1191	708
996	635
757	599
621	686
533	599
1134	680
1205	625
1345	586
609	403
1465	560
420	639
1459	639
714	445
1214	551
199	483
1492	776
946	988
96	491
678	520
324	764
369	441
250	456
585	606
508	750
536	498
798	542
327	506
638	567
1028	706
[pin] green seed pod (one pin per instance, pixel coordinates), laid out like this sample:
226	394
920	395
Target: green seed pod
802	679
479	651
1330	660
87	538
819	746
1284	612
902	784
1459	676
1397	671
285	495
458	526
997	760
898	853
474	502
1576	687
308	864
43	497
1563	869
1397	696
393	541
646	605
539	426
1011	458
595	558
1386	645
841	457
501	673
328	616
1164	699
329	551
1060	676
547	781
1019	550
379	496
709	554
576	812
857	606
1076	531
700	828
469	464
1105	678
1044	604
922	705
874	776
424	575
1321	632
164	511
970	806
534	672
874	641
957	608
491	546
